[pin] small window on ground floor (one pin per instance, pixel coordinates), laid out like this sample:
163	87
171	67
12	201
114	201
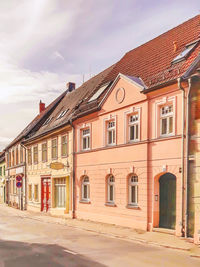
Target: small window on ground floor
133	190
36	192
85	188
30	192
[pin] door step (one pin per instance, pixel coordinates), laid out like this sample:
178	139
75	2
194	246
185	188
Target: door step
164	231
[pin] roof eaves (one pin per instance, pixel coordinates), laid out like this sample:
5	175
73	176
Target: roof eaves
191	68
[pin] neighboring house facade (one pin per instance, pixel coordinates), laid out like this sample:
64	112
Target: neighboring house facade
131	137
2	177
15	154
49	172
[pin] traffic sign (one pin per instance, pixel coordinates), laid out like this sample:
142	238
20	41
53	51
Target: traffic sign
19	184
19	178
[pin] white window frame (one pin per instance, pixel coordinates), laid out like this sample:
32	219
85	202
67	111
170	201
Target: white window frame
111	129
62	188
131	112
136	124
105	130
166	115
132	183
109	184
80	128
85	136
158	104
85	182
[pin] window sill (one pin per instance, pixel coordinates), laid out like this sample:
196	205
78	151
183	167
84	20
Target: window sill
110	204
133	207
85	201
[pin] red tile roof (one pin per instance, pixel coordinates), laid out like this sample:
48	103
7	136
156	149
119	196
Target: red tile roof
152	60
34	123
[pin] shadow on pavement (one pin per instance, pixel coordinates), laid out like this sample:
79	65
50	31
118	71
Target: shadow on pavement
21	254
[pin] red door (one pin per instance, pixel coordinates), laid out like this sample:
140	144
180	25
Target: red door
46	194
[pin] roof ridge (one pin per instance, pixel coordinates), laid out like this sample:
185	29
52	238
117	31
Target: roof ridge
164	33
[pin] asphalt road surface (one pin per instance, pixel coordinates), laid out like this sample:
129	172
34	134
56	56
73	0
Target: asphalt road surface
32	243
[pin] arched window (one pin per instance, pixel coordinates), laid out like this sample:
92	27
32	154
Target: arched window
85	188
133	190
110	189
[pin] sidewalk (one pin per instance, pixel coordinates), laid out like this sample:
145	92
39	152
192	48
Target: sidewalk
128	234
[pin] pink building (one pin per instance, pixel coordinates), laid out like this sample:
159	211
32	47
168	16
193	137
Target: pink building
131	136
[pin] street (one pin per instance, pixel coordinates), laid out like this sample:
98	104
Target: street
29	242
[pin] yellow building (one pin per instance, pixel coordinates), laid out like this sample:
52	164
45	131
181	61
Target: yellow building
49	172
2	177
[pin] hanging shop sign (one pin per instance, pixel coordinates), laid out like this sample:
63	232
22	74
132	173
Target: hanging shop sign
57	165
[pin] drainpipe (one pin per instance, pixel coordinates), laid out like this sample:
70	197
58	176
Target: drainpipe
182	150
73	172
187	155
25	176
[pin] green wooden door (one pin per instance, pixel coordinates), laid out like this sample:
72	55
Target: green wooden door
167	201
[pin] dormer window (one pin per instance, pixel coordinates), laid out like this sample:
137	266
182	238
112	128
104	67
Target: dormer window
184	54
62	114
48	121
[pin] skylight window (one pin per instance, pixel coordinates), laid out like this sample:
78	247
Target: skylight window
184	53
62	114
98	93
48	121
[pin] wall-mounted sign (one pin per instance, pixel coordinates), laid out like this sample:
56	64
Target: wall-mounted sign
57	165
19	178
19	184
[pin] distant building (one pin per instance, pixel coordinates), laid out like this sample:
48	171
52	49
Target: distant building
2	177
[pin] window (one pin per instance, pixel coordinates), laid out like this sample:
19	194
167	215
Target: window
30	192
44	152
166	120
184	54
4	170
85	189
110	189
35	154
54	151
64	142
29	156
60	192
62	114
21	155
36	193
14	187
13	158
133	190
133	123
86	139
111	133
99	92
9	159
48	121
17	156
0	171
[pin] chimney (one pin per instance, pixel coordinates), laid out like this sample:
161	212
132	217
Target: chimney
175	46
70	86
41	106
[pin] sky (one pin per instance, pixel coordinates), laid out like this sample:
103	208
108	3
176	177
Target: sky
46	43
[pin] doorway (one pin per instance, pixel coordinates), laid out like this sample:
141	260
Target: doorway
45	194
167	205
